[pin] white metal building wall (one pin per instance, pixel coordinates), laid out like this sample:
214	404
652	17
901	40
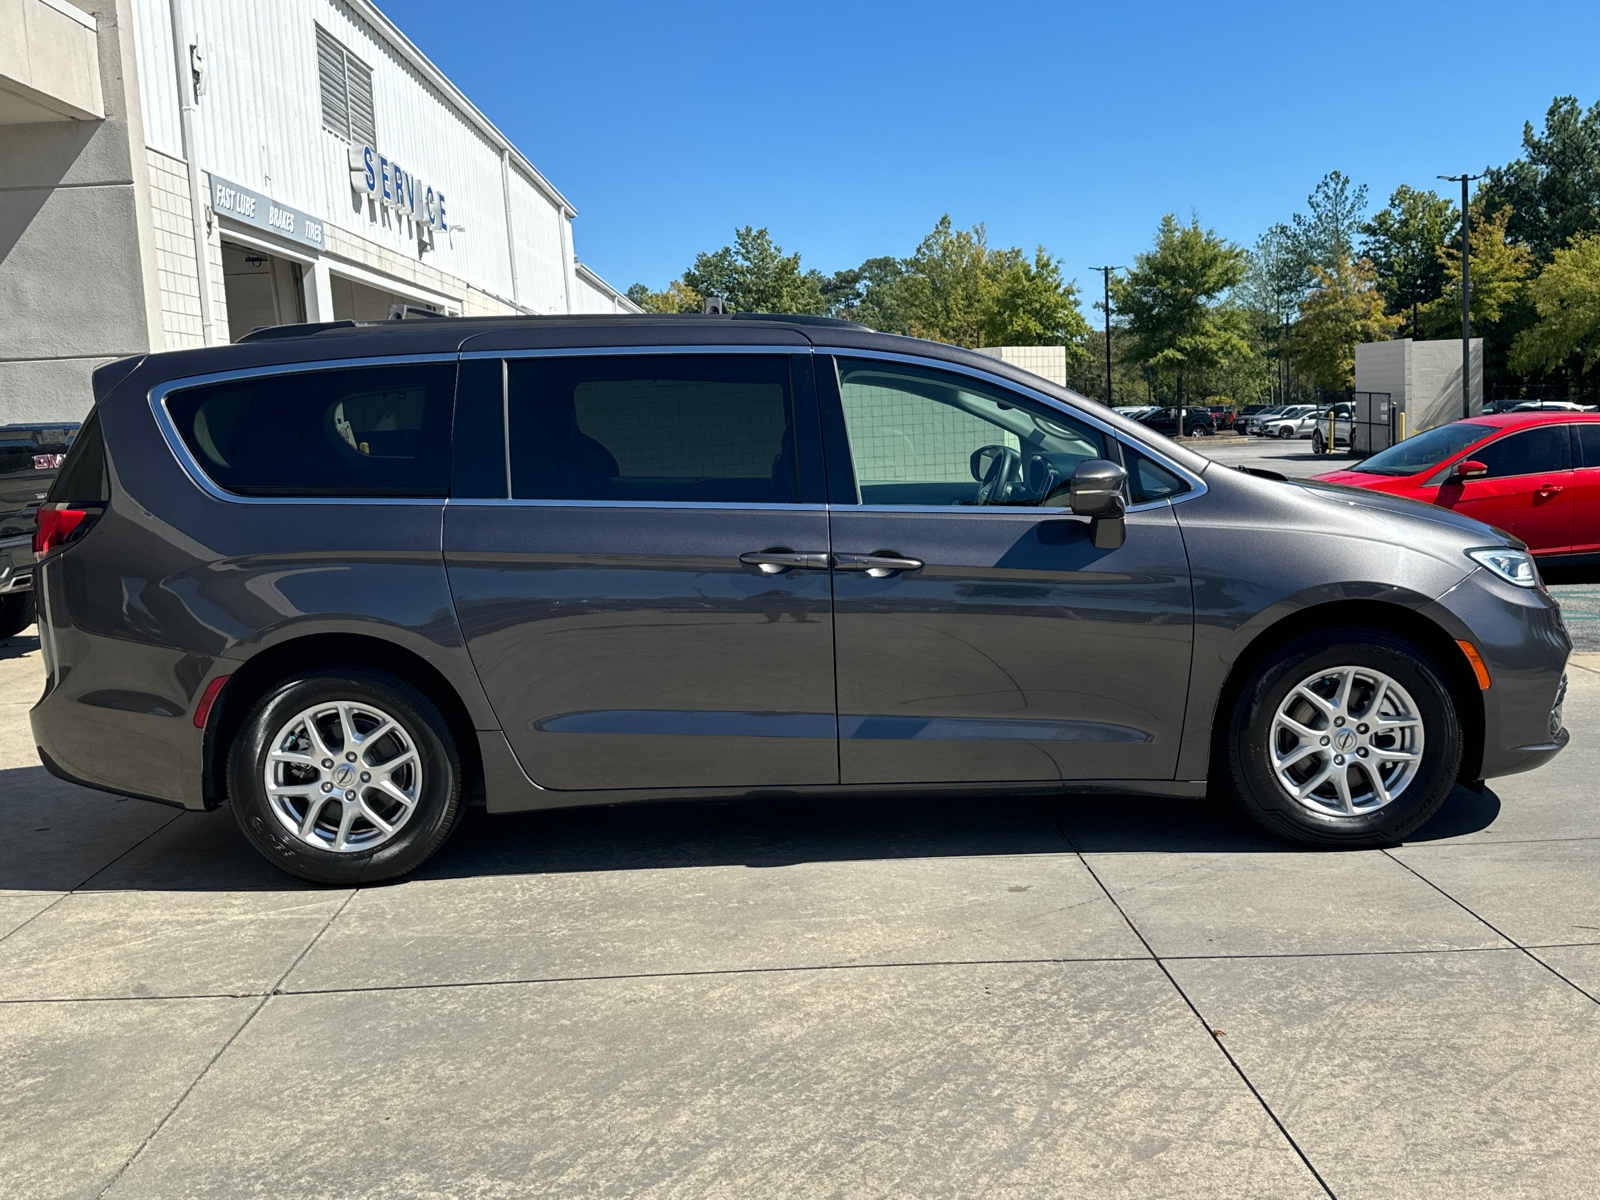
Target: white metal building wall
260	125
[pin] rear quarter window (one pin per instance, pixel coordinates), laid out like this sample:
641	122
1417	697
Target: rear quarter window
379	431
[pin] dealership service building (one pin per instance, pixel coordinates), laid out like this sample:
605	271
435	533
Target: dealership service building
325	167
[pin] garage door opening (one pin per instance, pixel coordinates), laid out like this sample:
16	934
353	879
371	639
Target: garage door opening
354	301
262	289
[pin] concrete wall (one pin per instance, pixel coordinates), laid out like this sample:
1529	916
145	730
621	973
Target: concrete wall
1424	378
75	241
49	63
1048	361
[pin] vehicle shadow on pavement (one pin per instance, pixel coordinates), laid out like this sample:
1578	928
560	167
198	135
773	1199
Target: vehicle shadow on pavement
19	646
56	837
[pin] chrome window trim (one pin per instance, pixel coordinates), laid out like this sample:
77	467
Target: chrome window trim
1197	486
196	473
613	351
677	506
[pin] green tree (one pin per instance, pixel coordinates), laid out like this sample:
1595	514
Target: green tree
677	298
1566	299
755	275
1500	272
956	288
1403	242
1329	232
1173	303
1554	189
1344	309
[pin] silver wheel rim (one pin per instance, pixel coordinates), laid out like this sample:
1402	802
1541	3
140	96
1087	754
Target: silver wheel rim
1346	741
343	776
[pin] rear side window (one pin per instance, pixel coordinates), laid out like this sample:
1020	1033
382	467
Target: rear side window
82	479
1588	438
673	428
359	431
1543	448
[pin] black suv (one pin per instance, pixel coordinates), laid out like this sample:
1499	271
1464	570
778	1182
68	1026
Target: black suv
30	456
1197	422
346	579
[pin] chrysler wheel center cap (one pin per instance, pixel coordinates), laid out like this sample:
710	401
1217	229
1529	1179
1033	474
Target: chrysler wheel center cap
344	775
1344	740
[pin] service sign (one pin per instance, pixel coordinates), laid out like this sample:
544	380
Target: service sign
252	208
384	180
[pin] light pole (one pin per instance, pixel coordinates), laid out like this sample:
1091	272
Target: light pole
1106	273
1466	293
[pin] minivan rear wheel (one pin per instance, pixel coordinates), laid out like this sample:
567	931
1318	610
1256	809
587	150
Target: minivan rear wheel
345	776
1346	738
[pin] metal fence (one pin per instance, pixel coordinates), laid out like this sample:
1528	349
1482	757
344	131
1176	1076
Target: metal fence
1375	419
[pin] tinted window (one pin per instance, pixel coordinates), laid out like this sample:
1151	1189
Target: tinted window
362	431
1588	437
1149	481
1526	453
83	475
1425	450
677	428
916	437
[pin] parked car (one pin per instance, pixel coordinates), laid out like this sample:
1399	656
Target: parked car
1534	475
1136	411
1343	429
1197	422
1549	406
1266	414
30	456
1292	422
1222	417
1241	418
347	578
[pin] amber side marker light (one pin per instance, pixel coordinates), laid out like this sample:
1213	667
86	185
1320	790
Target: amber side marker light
1476	659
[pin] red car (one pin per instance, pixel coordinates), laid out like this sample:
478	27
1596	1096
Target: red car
1534	474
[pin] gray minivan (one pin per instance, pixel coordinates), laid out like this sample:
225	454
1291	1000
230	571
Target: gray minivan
349	578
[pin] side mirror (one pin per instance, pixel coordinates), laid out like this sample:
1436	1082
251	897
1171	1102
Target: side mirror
1096	493
1470	469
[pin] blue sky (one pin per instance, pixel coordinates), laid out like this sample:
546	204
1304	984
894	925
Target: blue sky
848	129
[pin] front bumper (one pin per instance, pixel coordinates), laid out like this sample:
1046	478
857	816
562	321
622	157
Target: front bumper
1520	636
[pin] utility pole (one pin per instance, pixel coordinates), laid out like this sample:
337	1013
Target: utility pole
1466	293
1106	272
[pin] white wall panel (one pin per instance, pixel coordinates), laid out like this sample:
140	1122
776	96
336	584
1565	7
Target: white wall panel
260	125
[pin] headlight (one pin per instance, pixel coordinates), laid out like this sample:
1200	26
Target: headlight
1514	566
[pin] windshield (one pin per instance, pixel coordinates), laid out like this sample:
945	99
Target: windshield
1425	450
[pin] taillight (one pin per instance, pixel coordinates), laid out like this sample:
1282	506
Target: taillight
58	524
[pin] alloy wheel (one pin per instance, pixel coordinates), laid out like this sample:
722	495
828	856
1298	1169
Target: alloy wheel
343	776
1346	740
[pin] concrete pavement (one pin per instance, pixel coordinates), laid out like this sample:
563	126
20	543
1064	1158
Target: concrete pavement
1095	997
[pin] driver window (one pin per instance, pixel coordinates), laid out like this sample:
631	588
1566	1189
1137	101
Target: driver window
921	437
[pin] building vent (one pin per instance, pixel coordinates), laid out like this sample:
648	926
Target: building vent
346	91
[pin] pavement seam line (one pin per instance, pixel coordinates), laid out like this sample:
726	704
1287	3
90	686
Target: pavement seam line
1206	1025
115	859
223	1049
1497	932
915	964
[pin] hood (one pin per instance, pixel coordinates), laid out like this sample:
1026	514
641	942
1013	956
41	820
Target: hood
1338	492
1364	479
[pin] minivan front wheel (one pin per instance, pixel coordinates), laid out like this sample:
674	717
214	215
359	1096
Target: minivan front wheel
1344	738
345	777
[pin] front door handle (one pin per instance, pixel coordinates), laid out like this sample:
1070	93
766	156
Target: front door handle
879	565
778	559
1548	489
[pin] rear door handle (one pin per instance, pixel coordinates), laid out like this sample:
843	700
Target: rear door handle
878	566
779	559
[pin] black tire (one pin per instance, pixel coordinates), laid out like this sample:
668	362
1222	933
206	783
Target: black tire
17	612
1318	444
1286	431
438	803
1247	768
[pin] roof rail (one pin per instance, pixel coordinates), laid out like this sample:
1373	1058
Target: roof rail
271	333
